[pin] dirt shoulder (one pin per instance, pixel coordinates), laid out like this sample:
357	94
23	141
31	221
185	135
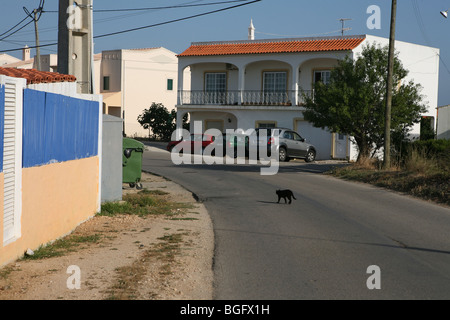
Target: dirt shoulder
152	257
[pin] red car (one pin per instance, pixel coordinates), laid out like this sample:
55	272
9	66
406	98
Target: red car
194	140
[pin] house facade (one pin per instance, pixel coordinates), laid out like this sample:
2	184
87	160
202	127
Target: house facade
261	83
131	80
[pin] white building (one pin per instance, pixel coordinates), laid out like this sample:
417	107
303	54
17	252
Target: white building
259	83
131	80
443	122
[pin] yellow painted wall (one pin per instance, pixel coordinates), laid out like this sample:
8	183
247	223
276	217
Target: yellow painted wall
56	198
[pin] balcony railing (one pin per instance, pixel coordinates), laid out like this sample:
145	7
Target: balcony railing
245	98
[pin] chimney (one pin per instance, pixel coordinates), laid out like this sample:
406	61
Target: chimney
26	53
251	31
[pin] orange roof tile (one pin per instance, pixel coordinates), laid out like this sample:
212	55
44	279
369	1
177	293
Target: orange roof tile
35	76
273	46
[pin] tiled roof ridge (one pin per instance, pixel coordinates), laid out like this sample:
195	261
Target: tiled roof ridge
34	76
290	45
279	40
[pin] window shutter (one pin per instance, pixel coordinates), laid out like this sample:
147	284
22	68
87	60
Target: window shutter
11	165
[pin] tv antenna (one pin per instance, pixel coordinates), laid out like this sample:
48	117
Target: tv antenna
342	20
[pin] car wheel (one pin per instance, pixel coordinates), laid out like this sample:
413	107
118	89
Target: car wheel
283	157
310	156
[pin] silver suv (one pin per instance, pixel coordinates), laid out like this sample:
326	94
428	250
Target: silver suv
291	144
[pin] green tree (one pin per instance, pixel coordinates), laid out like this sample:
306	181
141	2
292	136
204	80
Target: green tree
353	103
160	121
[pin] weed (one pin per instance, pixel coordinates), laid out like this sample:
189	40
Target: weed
62	246
142	204
128	277
421	175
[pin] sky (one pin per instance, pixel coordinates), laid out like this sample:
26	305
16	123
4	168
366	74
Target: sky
418	21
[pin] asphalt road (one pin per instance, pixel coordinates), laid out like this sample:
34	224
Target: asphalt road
321	246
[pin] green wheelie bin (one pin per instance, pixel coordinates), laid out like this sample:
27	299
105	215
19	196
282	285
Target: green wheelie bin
133	151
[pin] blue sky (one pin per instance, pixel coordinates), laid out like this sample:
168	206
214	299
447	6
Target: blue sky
418	21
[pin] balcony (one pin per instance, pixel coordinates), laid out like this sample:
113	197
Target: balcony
244	98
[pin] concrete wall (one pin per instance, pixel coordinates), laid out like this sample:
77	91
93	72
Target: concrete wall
443	122
112	158
58	171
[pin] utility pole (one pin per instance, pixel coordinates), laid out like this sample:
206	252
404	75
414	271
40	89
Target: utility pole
35	17
75	45
387	126
36	30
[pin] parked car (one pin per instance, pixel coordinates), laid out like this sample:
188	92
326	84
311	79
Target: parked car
194	140
234	143
291	144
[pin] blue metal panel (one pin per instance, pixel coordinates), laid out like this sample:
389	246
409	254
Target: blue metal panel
33	127
2	123
69	129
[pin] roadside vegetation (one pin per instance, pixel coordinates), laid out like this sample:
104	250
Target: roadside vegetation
420	169
143	203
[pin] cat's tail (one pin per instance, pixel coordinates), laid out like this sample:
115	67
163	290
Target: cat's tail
294	197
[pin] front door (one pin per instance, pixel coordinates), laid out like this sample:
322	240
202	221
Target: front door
340	146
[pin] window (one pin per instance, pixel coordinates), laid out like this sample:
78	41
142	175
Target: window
323	76
426	128
215	82
268	124
275	87
106	83
215	87
169	84
275	82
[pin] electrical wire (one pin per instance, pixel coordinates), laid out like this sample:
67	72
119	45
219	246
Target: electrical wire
299	36
175	20
149	26
159	8
422	30
14	26
34	19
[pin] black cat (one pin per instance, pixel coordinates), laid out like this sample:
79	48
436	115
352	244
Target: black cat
285	194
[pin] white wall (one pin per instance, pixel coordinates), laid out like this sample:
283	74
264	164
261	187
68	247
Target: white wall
422	62
443	123
141	75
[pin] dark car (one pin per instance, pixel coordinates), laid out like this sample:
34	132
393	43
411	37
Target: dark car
235	144
291	144
195	141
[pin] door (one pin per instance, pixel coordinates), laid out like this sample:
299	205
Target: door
340	146
300	146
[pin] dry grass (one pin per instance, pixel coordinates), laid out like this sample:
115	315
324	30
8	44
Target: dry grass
421	176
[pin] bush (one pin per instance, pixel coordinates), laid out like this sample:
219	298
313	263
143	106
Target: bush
415	154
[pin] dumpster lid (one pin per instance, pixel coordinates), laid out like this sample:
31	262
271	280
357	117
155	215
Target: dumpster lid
132	143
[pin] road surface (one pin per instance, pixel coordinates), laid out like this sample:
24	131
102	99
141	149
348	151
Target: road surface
338	240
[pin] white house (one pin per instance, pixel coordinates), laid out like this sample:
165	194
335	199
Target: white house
131	80
260	83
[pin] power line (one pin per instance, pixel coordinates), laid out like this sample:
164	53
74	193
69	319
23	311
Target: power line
149	26
36	18
176	20
159	8
14	26
422	30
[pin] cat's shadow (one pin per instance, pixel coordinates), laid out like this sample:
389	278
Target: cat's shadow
272	202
